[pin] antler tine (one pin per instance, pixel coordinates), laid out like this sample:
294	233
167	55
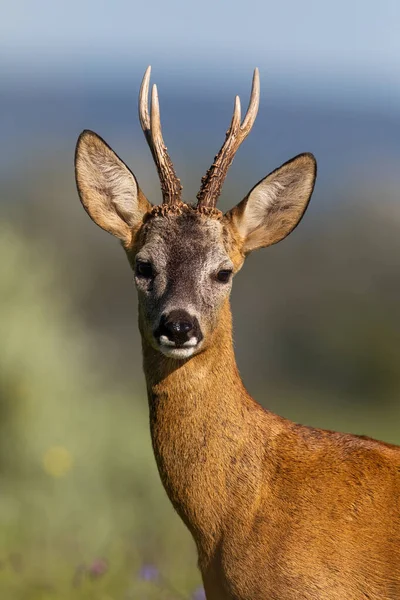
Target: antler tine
237	115
254	103
144	101
151	125
211	183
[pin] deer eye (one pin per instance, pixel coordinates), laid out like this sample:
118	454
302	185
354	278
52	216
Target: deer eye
144	269
224	275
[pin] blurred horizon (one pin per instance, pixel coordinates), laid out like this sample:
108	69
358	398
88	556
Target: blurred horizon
358	47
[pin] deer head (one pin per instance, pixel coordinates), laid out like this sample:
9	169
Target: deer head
185	256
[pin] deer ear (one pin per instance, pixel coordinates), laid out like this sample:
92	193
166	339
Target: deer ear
276	204
108	190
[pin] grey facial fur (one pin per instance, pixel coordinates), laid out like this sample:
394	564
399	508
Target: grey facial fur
186	253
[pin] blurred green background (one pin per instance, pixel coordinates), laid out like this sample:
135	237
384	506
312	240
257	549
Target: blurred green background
317	318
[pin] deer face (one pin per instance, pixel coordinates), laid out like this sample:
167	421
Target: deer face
184	257
183	267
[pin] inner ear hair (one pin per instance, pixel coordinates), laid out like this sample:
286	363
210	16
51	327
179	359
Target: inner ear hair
276	204
107	188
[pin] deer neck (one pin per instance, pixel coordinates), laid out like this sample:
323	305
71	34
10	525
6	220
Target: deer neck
202	426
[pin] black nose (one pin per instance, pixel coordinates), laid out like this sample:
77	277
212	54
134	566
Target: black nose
178	326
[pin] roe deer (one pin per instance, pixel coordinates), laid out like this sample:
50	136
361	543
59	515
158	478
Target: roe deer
278	511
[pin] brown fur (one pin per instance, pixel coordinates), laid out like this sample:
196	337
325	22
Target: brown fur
278	511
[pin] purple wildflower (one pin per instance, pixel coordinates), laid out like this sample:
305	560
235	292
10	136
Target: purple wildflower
149	573
199	594
98	568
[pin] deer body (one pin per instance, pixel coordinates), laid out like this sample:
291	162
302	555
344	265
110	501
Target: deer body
278	511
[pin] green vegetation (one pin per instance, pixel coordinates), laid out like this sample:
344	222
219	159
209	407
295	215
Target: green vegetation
82	511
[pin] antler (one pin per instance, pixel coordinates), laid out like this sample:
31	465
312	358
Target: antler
211	183
151	125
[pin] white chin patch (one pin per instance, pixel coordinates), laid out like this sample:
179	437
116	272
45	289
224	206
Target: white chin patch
168	348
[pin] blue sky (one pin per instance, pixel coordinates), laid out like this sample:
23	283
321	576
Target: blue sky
315	42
